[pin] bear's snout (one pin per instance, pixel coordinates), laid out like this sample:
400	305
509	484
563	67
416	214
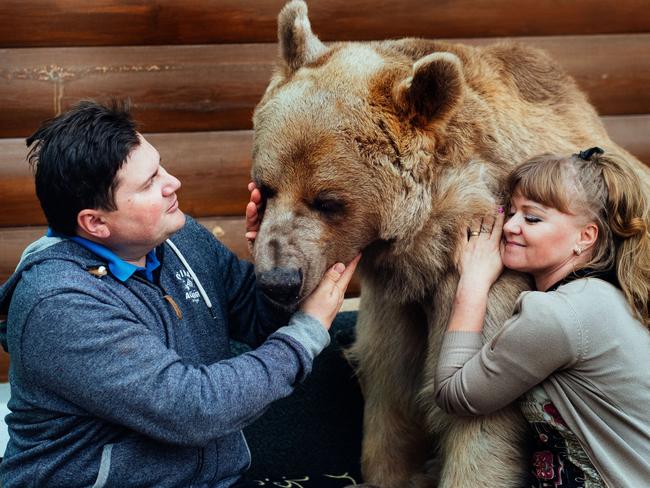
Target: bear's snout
281	284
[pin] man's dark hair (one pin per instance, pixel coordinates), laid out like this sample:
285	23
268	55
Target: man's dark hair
76	157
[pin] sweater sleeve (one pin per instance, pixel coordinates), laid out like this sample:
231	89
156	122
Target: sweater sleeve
95	356
543	336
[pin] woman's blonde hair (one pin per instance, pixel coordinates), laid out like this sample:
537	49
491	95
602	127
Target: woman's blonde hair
605	190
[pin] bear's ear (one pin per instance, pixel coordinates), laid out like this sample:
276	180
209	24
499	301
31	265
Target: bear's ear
298	44
434	90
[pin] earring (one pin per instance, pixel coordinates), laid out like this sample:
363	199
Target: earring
577	251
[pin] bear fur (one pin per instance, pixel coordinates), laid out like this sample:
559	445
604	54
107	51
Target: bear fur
390	149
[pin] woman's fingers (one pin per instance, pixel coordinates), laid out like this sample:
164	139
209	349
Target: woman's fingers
497	229
474	228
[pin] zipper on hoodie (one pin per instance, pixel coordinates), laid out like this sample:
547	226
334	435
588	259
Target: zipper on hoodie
168	298
161	293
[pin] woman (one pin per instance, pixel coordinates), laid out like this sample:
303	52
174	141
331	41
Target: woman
576	352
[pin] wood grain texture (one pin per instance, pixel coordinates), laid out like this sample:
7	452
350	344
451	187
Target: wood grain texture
136	22
216	87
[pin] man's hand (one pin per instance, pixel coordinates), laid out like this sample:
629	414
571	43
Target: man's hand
252	215
326	300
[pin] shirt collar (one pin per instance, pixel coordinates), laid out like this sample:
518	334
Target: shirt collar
117	266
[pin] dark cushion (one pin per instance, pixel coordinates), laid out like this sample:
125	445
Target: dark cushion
313	437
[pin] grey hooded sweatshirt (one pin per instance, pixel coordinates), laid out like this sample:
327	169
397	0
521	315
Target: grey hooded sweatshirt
124	384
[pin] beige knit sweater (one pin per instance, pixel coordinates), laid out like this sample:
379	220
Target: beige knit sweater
584	346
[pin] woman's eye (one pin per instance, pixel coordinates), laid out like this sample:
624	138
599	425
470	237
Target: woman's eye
531	219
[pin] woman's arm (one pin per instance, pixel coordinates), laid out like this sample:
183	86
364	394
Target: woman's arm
472	379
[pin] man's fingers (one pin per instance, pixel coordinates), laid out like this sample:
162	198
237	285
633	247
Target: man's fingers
334	273
251	235
256	196
252	220
251	186
346	276
251	211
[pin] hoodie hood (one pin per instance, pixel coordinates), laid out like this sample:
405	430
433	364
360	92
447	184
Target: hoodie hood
44	249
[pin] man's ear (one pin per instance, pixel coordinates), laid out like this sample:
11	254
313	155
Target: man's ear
92	222
298	44
433	92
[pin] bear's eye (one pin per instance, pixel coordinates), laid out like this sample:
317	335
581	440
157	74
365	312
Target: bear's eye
328	205
266	191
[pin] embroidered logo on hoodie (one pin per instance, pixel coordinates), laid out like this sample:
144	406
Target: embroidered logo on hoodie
191	292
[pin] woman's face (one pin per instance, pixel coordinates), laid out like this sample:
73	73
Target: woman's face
541	240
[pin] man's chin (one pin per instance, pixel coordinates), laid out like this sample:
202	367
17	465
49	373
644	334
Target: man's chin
178	223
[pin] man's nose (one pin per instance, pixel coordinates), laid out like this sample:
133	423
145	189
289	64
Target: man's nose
281	284
171	185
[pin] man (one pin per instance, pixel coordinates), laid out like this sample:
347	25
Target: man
118	324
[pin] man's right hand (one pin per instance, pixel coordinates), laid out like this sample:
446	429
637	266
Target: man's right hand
253	215
326	300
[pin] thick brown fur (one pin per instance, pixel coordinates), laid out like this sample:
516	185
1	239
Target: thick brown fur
406	141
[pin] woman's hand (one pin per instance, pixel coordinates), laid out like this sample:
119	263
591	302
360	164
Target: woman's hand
253	215
480	265
480	260
326	300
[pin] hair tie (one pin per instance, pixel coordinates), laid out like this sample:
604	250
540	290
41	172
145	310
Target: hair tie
588	153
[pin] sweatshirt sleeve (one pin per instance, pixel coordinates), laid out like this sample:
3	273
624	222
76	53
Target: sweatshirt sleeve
542	337
113	367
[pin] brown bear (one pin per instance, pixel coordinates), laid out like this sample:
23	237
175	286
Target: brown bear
391	148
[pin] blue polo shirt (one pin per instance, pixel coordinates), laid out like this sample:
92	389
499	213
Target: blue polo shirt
116	265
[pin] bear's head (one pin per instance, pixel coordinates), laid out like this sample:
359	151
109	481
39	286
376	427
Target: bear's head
349	146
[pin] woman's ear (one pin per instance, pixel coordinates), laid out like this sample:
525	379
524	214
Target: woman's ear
92	223
588	236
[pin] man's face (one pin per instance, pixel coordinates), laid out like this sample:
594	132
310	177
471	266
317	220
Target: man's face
147	207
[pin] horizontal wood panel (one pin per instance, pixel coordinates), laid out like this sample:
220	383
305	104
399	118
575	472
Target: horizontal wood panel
214	168
4	366
200	88
135	22
632	133
230	231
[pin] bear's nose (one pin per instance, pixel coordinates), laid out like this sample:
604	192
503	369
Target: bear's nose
281	284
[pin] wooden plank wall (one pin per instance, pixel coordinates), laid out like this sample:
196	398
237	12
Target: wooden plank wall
194	70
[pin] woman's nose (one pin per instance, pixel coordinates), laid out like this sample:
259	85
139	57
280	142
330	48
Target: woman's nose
512	225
